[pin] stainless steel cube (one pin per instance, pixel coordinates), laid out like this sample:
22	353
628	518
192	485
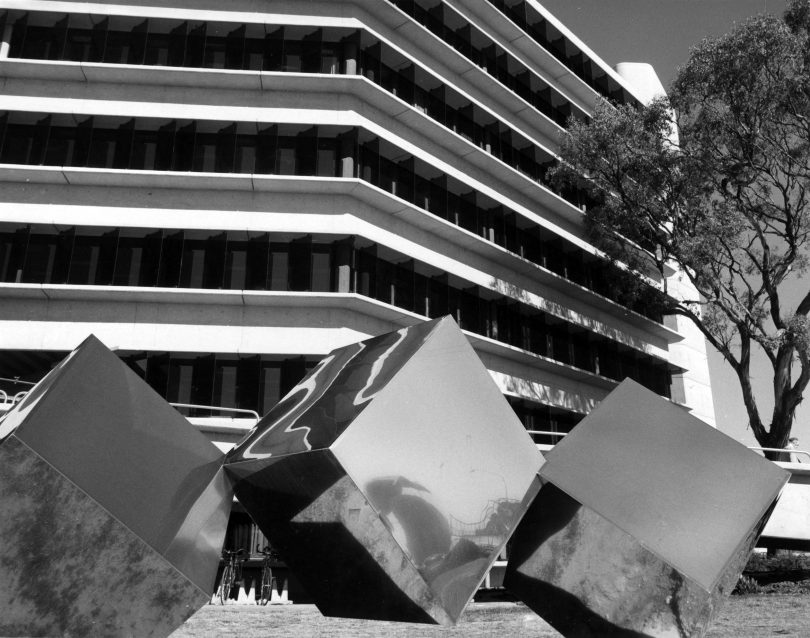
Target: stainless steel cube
391	477
644	522
114	507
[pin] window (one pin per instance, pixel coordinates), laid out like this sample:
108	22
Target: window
236	264
203	261
92	259
322	270
279	266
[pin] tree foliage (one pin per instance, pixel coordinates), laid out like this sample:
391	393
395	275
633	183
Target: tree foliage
715	180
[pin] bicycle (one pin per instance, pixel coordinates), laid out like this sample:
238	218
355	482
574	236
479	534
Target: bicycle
268	581
231	573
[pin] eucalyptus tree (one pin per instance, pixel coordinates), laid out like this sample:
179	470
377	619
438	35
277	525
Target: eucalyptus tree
715	180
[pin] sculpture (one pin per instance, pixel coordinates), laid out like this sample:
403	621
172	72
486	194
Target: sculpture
390	478
114	506
645	520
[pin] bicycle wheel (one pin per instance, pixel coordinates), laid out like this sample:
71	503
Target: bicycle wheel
226	583
267	586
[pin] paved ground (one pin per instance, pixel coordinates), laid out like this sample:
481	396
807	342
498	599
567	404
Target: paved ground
757	616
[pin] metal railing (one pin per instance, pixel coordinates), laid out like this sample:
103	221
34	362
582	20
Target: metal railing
17	380
216	408
783	451
547	433
799	453
5	399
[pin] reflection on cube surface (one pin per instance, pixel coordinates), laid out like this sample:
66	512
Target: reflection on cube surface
390	478
114	506
644	523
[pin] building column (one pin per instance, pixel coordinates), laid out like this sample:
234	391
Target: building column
348	151
351	54
344	253
5	43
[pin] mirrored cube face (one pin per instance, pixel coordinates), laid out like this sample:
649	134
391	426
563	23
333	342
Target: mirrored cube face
438	467
144	479
644	523
70	568
587	577
333	539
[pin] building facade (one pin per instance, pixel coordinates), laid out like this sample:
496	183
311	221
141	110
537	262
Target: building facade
224	192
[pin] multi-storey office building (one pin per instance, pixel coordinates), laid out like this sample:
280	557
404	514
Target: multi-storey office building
226	192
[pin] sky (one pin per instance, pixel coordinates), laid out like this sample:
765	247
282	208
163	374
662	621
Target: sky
661	32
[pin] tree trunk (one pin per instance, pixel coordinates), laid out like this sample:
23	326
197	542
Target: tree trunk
784	457
777	437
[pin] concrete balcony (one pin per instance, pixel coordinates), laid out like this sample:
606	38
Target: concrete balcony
377	216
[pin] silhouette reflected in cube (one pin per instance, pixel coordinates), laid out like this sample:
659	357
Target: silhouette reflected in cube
390	478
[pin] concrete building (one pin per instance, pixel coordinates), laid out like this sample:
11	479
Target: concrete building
224	192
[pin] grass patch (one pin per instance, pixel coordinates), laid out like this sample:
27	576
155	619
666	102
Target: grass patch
787	572
753	616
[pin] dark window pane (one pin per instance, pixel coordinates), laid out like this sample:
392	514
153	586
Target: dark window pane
21	141
279	275
274	50
61	143
157	49
184	147
311	52
12	253
254	54
247	383
307	153
39	259
103	148
180	380
137	46
117	47
205	152
266	150
300	275
144	150
226	140
225	382
215	47
236	260
203	262
269	385
330	58
235	48
45	43
322	269
157	374
245	154
257	263
137	260
78	45
171	257
195	47
84	260
367	273
292	56
327	157
286	155
177	45
193	264
165	147
403	286
214	261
